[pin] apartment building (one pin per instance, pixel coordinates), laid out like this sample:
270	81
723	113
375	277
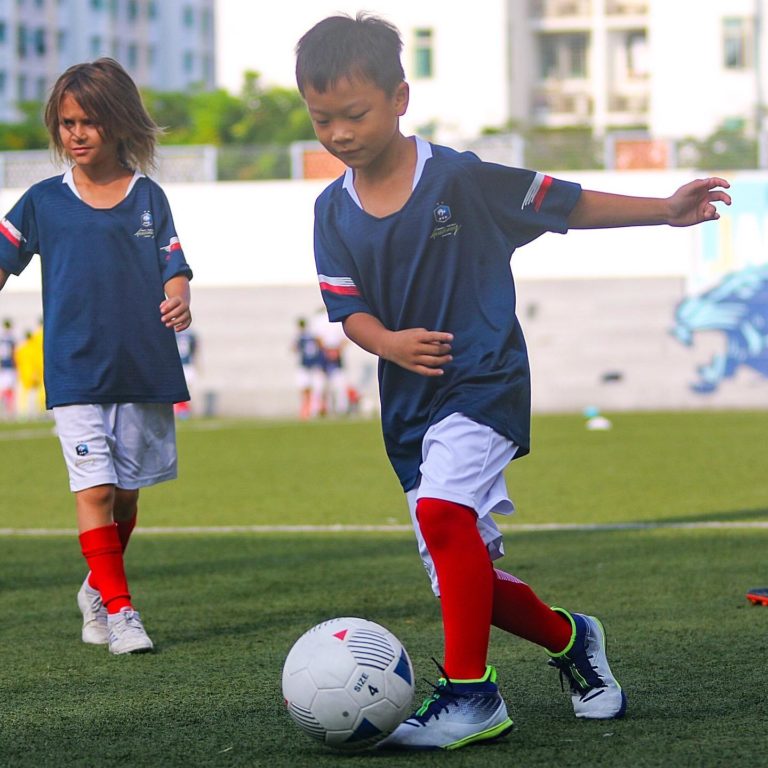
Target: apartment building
164	44
676	68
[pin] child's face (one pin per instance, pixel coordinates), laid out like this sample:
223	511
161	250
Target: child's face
81	138
355	120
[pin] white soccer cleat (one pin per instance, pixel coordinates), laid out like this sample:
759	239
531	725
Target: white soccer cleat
457	714
126	633
95	630
595	692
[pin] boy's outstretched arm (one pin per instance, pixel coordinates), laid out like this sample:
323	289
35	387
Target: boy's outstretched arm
415	349
693	203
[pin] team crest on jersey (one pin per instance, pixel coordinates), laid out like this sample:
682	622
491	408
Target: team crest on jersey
146	228
81	449
442	215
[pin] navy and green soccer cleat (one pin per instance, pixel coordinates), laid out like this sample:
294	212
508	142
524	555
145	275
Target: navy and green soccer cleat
595	692
459	712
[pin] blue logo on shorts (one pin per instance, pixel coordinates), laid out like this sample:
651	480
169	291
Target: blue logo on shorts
81	449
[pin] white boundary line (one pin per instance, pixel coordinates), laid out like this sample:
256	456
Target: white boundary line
219	529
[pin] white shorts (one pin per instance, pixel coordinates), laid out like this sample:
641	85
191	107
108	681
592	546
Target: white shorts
7	379
464	462
128	445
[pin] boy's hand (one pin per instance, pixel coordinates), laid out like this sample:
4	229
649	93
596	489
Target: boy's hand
419	350
175	313
694	202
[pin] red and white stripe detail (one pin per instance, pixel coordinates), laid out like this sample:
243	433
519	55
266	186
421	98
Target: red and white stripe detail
10	233
344	286
537	191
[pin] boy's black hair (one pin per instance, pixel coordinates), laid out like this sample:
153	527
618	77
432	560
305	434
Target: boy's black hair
340	46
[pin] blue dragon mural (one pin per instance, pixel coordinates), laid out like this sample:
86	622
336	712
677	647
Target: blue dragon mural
738	308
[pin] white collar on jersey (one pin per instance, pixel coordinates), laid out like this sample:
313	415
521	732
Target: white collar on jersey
69	180
423	153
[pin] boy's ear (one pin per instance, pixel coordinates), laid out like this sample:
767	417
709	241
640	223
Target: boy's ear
402	94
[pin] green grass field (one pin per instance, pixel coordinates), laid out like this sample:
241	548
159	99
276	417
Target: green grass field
225	607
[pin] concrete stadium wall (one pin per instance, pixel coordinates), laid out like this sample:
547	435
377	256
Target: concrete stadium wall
597	307
592	342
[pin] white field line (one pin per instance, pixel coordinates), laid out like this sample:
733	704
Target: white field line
225	529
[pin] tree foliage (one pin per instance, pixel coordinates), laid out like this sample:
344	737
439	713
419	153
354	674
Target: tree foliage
257	115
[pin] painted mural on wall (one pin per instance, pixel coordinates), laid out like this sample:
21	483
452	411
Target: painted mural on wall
737	308
728	289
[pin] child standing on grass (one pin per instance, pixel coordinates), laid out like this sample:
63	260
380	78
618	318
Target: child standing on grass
413	248
115	288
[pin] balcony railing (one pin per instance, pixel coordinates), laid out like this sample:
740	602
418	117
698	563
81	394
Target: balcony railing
560	8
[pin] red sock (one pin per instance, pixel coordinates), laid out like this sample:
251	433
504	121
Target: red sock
124	531
465	578
102	551
516	609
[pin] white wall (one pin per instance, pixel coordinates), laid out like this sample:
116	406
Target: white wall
260	234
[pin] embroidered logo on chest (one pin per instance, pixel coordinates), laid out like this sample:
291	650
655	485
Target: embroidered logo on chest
442	216
146	228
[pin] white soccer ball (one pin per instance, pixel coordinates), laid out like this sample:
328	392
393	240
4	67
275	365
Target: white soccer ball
348	682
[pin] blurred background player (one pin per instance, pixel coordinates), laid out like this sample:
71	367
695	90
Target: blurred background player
7	370
332	340
28	358
310	375
187	344
108	247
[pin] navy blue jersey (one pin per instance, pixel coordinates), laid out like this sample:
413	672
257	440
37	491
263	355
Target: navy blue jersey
103	272
443	263
310	354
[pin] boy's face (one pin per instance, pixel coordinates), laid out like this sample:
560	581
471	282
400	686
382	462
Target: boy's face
355	120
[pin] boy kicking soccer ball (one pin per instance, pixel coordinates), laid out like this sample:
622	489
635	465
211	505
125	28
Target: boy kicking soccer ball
413	246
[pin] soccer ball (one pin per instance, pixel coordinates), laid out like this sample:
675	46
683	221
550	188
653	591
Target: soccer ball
348	682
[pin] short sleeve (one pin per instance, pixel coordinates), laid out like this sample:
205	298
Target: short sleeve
19	236
336	272
170	253
525	203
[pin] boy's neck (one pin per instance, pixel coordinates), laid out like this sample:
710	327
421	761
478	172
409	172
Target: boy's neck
385	186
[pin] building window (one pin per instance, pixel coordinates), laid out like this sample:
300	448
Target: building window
40	45
563	56
97	4
152	10
189	62
637	54
133	10
423	53
95	46
133	55
21	88
3	32
737	43
61	41
21	41
40	89
151	55
188	16
3	81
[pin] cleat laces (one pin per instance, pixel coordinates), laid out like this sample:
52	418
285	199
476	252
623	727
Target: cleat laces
580	672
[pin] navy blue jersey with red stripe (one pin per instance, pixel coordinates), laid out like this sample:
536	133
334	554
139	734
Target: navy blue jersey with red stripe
103	272
443	263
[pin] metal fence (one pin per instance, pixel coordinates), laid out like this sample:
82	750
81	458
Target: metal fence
560	150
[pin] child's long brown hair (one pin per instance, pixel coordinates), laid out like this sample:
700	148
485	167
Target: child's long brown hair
108	95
